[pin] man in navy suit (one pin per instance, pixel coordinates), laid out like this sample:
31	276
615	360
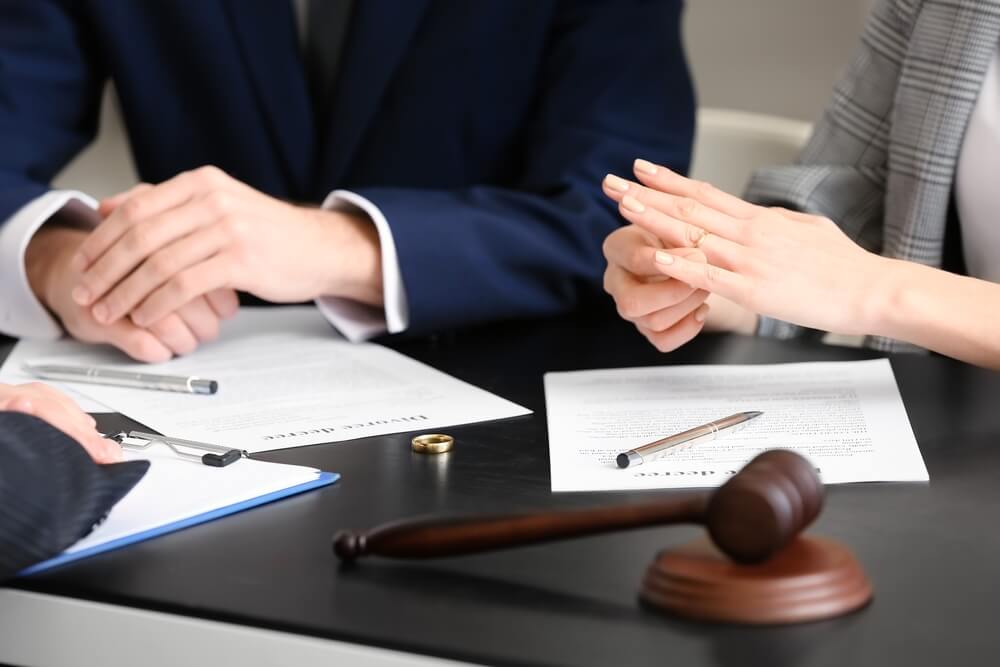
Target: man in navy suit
456	150
52	491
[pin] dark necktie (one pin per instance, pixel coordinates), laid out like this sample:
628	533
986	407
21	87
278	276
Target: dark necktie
326	33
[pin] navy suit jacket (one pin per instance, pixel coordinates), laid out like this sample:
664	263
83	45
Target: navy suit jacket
51	492
481	129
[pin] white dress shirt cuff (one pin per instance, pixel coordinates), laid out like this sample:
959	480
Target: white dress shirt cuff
357	321
21	313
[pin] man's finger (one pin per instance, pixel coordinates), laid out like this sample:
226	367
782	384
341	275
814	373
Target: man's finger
201	319
639	260
146	204
636	298
174	252
680	333
173	332
635	253
134	248
210	275
137	343
632	248
224	302
109	204
665	318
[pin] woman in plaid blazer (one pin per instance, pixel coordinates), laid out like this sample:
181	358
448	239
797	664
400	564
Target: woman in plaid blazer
855	236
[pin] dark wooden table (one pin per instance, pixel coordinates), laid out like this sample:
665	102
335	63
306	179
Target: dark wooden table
932	550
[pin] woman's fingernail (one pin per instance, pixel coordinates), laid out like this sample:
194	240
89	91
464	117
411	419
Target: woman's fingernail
664	257
644	167
81	295
100	313
632	204
615	183
701	313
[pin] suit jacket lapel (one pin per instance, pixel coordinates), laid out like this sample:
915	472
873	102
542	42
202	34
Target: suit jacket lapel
940	80
378	37
266	33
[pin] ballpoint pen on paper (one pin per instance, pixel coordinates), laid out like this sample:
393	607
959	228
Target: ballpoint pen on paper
97	375
704	433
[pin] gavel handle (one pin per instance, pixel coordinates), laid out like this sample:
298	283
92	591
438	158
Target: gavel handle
433	537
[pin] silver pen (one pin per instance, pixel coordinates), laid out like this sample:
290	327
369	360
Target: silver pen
97	375
704	433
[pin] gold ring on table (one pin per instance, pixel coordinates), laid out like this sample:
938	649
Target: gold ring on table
701	239
432	443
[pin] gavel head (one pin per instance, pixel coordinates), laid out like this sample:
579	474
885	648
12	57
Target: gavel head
764	506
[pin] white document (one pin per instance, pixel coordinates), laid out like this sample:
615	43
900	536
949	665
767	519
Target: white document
286	379
174	491
847	418
12	371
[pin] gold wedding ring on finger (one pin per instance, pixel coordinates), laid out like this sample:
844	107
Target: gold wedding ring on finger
700	237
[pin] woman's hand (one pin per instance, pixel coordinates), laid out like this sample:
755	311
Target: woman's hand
791	266
57	409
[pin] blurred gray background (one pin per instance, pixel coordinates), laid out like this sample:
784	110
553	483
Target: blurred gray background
771	56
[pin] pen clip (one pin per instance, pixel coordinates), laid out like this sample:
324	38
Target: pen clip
680	446
215	456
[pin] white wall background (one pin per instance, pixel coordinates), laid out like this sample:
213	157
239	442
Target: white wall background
771	56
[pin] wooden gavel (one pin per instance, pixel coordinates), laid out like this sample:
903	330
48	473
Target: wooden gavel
751	517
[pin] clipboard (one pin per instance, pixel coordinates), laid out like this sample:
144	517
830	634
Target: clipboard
74	554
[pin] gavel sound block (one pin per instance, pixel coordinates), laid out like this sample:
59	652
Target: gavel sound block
757	569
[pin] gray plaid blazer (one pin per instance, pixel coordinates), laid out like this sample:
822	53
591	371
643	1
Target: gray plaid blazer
882	158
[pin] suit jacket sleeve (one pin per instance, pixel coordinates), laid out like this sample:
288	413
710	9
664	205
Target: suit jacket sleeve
841	173
49	99
49	96
613	86
51	492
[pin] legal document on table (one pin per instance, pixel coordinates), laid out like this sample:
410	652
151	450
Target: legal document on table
286	379
847	418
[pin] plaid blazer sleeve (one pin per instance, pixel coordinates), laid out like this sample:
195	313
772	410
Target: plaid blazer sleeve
841	173
51	492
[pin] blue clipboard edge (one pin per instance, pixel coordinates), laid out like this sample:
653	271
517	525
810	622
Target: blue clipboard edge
324	479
